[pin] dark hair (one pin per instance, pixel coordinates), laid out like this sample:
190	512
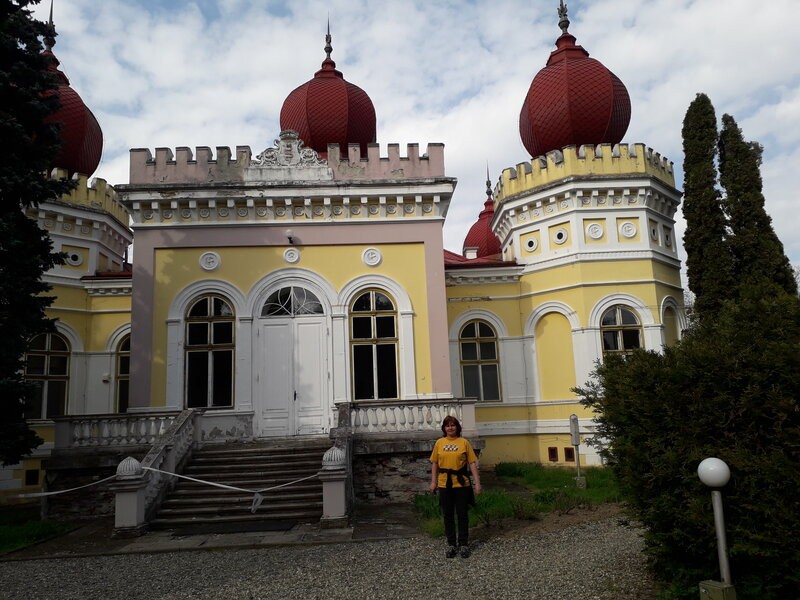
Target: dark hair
451	419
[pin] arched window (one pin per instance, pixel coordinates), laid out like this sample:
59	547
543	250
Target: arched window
47	365
621	330
209	353
480	366
373	343
291	302
123	373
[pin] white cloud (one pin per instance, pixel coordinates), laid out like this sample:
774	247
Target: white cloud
216	72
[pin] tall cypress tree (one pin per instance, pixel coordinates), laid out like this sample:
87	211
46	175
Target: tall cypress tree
758	254
26	99
709	263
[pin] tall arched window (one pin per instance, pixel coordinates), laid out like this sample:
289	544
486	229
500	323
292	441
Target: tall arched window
209	353
123	373
621	330
47	364
480	366
373	343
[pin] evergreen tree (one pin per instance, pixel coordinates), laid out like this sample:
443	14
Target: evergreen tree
757	251
709	264
26	99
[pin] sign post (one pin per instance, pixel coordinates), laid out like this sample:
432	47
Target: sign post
575	434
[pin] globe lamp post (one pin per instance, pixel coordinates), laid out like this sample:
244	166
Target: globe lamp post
715	474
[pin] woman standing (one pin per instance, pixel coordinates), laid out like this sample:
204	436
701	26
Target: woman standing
453	460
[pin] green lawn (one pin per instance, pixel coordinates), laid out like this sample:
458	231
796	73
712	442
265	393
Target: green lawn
536	489
20	526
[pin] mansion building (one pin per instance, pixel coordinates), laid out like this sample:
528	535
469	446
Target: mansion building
270	289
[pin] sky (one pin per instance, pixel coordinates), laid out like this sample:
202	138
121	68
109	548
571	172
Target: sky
169	73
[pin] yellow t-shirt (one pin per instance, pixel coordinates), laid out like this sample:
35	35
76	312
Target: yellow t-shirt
452	454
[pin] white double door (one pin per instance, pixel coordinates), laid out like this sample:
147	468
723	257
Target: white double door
292	379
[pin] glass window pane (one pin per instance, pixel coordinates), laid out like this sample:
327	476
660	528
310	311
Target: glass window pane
387	371
196	379
385	327
124	366
223	332
279	303
362	328
198	334
488	351
222	308
491	382
123	386
471	381
58	365
628	317
125	345
39	342
610	341
485	331
33	404
630	339
609	317
199	308
468	331
305	302
362	303
382	302
223	378
363	376
58	343
56	398
469	351
34	364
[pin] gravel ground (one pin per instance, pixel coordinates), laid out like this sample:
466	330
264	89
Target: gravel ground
601	560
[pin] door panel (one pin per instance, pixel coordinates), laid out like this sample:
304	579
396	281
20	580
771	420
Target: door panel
310	374
275	389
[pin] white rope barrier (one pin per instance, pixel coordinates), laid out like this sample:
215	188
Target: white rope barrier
258	498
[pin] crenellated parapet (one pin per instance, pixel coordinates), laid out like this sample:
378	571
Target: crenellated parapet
286	160
588	160
97	195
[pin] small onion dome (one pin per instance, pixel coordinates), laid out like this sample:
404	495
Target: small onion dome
573	100
480	235
81	136
330	110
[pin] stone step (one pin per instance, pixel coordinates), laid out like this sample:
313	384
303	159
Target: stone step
225	509
254	465
216	459
236	498
196	490
285	517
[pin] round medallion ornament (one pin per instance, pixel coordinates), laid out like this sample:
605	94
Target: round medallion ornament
391	209
667	239
205	213
654	233
222	212
355	210
372	257
74	259
210	261
337	210
167	214
409	208
531	245
186	213
299	211
560	236
242	211
564	204
318	210
66	226
291	255
628	229
148	214
595	231
279	212
261	211
373	209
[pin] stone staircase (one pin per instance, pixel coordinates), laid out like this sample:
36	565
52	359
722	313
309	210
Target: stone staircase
253	466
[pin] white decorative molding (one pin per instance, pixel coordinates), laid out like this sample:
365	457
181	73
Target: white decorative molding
288	151
560	236
210	261
594	231
372	257
291	255
628	229
531	244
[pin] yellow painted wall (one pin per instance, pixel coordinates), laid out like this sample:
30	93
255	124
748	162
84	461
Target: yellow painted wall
243	267
554	357
523	448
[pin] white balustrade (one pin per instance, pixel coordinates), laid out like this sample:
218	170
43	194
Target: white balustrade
116	430
427	415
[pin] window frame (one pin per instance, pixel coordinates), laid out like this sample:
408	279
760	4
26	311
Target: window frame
122	377
478	339
377	320
46	378
619	328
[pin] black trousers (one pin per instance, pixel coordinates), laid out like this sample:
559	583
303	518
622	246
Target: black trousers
455	506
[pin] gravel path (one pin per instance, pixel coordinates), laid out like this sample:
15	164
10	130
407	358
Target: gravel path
600	560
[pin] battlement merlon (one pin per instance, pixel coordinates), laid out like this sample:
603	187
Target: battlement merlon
603	159
184	167
98	195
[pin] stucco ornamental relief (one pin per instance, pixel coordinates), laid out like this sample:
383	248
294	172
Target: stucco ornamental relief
205	213
261	211
372	257
531	244
288	150
84	229
291	255
564	204
337	210
66	226
186	213
148	214
166	214
242	211
279	212
427	208
223	212
391	209
318	211
355	210
210	261
299	211
560	236
654	233
628	229
409	208
595	231
373	209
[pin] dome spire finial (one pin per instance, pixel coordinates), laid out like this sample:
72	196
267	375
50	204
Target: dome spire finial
50	38
488	182
563	20
328	47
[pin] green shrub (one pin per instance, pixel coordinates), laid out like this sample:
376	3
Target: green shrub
20	527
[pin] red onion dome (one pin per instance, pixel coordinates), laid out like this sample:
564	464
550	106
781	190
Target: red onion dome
480	235
330	110
81	136
573	100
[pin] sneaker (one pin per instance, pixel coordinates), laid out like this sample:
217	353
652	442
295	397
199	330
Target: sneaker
451	552
465	552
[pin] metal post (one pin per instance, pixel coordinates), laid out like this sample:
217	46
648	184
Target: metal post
722	544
